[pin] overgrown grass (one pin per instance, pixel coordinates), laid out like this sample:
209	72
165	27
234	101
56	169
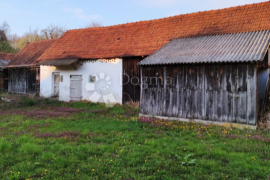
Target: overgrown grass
92	141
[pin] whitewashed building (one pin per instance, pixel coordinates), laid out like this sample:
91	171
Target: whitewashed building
74	80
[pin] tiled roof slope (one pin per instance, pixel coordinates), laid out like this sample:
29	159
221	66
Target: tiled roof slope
145	37
30	53
6	56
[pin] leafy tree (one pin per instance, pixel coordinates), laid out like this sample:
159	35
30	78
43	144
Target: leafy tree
31	36
7	48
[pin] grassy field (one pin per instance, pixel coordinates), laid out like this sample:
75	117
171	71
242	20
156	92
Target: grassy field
45	139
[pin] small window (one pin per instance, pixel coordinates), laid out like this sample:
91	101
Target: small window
92	78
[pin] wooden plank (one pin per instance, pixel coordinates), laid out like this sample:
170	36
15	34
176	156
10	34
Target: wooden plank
180	93
200	91
215	86
184	92
142	98
242	112
160	89
241	91
188	98
208	104
169	90
234	79
251	94
225	106
164	108
230	78
187	106
209	93
194	94
223	94
175	92
219	105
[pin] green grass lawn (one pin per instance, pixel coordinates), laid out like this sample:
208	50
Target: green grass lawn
39	140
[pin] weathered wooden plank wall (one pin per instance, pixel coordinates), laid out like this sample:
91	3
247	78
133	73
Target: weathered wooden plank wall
1	79
5	79
24	80
213	92
131	77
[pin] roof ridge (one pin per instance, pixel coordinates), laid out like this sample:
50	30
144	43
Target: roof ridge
220	34
179	15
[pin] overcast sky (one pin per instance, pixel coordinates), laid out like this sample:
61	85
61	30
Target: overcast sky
74	14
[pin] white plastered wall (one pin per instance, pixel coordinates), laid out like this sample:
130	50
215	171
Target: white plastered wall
113	69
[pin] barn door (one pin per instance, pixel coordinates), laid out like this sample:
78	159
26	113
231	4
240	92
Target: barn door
75	88
56	83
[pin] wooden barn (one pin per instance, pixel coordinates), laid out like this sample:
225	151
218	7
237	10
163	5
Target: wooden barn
4	60
132	42
23	71
219	78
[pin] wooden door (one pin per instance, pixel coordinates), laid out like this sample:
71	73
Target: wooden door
131	79
56	83
75	88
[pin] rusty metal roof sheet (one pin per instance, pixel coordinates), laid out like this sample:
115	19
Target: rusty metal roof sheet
62	62
239	47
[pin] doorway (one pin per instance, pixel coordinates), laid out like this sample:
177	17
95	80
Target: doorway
75	88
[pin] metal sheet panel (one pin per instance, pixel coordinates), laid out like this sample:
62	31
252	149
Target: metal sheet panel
62	62
239	47
3	63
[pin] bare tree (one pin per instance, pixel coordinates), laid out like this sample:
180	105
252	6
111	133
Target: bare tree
53	31
94	24
30	36
13	39
5	27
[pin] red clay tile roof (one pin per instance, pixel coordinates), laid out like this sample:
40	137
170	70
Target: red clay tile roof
6	56
145	37
30	53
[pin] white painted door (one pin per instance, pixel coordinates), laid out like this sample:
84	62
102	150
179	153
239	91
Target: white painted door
75	88
56	83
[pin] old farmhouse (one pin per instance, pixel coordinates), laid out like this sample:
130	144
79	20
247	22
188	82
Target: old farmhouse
211	65
83	57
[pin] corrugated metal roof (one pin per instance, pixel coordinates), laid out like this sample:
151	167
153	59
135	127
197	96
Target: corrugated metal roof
3	63
62	62
239	47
